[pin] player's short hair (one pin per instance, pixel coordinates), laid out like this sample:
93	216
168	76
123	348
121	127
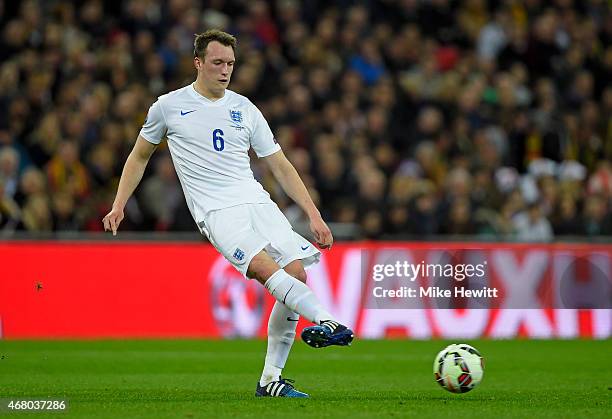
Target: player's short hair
203	39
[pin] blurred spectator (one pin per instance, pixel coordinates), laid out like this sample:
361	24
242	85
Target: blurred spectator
36	214
368	63
493	36
9	165
66	173
597	219
10	212
63	212
600	181
423	217
459	219
531	225
566	221
45	138
332	178
161	194
372	223
483	191
32	182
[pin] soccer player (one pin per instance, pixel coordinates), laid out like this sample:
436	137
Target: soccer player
210	130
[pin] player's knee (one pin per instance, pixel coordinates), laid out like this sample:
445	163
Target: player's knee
261	267
299	274
259	274
296	270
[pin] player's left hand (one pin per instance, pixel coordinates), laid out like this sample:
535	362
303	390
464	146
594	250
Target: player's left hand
321	232
112	220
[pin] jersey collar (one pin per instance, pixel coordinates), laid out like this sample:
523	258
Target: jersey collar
207	101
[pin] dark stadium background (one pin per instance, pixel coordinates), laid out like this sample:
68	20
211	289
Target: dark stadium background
404	118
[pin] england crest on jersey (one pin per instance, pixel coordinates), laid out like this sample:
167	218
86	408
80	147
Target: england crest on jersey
236	116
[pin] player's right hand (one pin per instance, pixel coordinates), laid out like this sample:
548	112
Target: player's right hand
321	232
112	220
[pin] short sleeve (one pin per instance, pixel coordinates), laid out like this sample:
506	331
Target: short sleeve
154	128
262	139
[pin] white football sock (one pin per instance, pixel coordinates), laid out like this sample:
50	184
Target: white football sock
281	333
296	296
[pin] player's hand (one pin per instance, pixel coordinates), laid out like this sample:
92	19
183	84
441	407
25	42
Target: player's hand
321	232
112	220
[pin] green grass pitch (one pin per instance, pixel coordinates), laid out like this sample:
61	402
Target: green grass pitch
197	378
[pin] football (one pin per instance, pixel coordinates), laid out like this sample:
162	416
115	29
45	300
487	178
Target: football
458	368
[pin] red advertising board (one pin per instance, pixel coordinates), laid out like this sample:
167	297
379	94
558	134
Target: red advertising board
116	290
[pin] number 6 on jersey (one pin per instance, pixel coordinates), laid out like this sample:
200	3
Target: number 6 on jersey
218	142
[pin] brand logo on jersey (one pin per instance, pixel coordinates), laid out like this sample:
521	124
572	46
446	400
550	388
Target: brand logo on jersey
185	113
236	116
238	254
304	247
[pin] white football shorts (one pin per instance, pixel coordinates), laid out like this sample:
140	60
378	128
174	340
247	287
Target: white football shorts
242	231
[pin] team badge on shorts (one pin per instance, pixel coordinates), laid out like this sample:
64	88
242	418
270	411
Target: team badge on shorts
238	255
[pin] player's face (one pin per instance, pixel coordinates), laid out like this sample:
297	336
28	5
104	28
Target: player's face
215	69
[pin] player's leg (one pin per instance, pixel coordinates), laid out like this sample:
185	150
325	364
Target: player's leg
293	296
328	332
281	331
298	297
287	289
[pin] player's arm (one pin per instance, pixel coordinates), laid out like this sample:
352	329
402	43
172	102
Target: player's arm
130	178
292	184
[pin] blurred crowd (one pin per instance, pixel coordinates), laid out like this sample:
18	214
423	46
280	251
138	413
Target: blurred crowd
406	118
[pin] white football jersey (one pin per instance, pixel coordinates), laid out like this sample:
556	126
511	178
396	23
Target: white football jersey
209	143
